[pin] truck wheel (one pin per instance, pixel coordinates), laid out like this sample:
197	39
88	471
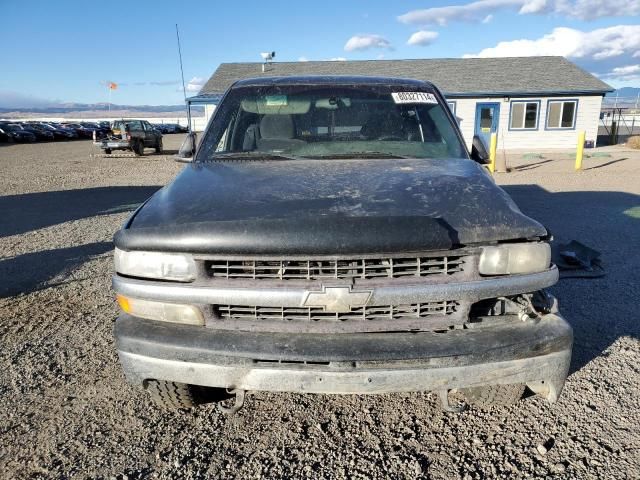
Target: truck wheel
170	394
174	395
107	151
159	146
138	148
494	394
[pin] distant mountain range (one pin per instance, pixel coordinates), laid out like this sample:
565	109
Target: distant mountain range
625	92
89	110
101	110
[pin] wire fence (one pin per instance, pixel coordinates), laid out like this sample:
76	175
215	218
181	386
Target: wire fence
621	102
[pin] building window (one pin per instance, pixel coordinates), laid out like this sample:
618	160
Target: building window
452	106
561	113
524	115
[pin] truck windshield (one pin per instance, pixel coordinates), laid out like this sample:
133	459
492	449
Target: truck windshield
310	121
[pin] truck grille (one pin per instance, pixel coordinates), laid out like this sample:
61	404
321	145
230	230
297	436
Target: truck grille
316	314
366	268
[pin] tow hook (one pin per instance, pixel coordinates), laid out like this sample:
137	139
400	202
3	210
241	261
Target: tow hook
446	405
238	402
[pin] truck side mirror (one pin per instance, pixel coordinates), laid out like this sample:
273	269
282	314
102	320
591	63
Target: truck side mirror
479	151
188	148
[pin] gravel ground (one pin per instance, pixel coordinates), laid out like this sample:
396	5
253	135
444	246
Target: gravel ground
67	412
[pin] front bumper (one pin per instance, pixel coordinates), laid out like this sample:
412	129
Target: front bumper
537	354
113	144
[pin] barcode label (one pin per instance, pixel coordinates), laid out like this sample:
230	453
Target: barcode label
413	97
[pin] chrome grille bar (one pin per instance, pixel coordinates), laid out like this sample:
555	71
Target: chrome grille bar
365	268
315	314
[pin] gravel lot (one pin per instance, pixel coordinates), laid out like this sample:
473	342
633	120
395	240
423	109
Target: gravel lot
67	412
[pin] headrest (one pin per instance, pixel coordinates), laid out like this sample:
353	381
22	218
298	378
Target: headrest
277	127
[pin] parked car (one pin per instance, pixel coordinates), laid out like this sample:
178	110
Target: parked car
100	131
15	133
170	128
59	126
161	127
176	128
40	134
82	132
58	132
132	135
39	131
334	235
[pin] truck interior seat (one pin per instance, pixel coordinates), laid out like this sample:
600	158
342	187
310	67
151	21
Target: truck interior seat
277	132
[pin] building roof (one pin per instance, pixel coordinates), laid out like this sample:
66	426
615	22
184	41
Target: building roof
454	76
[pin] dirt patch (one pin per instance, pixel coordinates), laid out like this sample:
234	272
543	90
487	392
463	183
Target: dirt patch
67	412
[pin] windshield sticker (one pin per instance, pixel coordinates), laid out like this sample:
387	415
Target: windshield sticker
413	97
276	100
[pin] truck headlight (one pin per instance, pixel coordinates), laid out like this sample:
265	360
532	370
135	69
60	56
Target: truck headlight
164	312
163	266
515	258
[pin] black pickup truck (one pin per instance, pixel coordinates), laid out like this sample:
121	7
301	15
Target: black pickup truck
134	135
335	235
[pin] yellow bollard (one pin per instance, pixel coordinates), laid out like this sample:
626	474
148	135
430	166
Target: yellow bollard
580	149
492	152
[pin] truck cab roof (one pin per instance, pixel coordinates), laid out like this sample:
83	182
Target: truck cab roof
354	80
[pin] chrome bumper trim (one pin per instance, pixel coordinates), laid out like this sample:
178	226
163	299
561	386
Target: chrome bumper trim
295	297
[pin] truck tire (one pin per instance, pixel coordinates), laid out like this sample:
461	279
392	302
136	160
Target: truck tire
171	394
138	148
486	396
174	395
159	146
107	151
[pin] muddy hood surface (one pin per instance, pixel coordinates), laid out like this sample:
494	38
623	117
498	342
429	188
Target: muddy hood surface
327	207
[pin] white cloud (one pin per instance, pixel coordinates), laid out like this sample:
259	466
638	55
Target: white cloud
534	6
337	59
303	59
479	10
626	75
365	42
471	12
196	84
599	44
487	19
625	71
422	37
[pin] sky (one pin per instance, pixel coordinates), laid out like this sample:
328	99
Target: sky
60	52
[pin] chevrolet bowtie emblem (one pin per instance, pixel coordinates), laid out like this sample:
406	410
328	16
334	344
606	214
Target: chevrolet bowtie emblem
337	299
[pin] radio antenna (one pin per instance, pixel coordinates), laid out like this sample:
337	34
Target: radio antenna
184	90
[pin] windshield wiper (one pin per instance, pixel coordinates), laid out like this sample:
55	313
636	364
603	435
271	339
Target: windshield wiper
381	155
250	155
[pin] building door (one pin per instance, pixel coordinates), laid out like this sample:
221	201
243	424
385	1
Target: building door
487	116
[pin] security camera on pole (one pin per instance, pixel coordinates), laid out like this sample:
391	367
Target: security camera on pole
267	57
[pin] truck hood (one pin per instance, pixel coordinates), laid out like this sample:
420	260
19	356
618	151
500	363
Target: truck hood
327	207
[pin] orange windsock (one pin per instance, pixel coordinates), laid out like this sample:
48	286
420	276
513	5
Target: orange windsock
112	85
